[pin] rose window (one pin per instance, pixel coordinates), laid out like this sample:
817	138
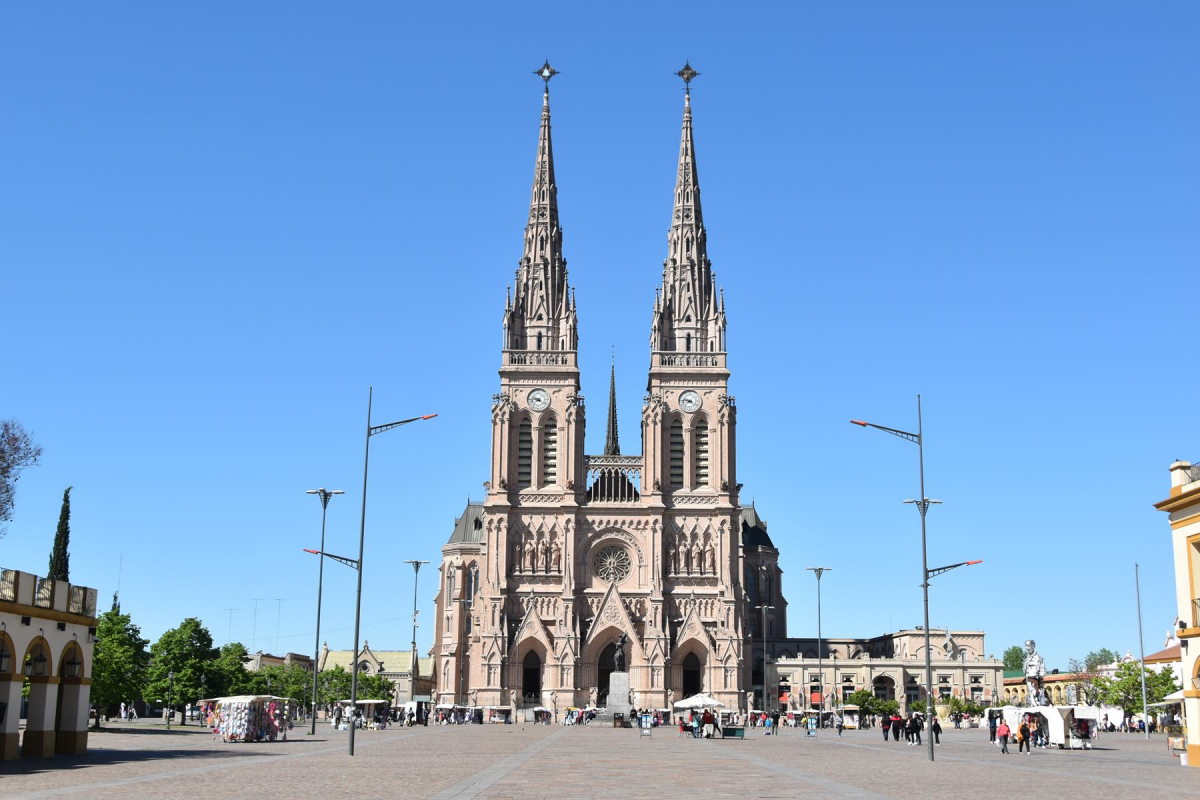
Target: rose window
613	564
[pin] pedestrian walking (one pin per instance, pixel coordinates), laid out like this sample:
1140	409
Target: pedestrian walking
1002	731
991	727
935	728
1023	737
886	724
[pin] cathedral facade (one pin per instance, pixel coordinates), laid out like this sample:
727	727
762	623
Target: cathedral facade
571	556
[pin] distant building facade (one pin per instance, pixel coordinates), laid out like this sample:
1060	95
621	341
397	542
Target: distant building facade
395	665
890	667
258	660
1183	508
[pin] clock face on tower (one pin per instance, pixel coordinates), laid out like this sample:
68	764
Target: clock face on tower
689	401
539	399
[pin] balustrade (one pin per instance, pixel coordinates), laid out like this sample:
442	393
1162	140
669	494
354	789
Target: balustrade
613	479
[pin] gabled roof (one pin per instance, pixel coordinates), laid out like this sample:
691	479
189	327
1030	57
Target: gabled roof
1172	653
754	529
468	529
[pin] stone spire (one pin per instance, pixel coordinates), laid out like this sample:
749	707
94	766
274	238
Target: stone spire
541	314
687	312
612	447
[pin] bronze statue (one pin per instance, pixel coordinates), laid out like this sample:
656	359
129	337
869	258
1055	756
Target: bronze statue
619	656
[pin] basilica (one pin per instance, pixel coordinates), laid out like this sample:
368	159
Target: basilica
570	556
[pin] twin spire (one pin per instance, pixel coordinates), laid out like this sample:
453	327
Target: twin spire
689	315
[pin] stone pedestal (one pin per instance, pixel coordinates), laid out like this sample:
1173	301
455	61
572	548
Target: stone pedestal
618	693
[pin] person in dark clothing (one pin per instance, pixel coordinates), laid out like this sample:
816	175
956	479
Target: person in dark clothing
935	728
1023	738
897	724
886	724
991	727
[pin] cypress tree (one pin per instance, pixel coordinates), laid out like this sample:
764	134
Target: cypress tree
59	557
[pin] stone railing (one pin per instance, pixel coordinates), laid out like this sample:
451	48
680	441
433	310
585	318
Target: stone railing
613	479
539	358
661	358
27	589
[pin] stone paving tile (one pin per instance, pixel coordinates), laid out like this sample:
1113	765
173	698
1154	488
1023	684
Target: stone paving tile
532	762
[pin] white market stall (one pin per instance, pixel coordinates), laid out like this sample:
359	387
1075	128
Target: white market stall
250	718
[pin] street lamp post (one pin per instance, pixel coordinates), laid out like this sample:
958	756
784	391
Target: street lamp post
412	668
765	609
819	571
323	495
372	430
1137	582
170	692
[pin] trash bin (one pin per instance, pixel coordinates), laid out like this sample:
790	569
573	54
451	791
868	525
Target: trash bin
618	720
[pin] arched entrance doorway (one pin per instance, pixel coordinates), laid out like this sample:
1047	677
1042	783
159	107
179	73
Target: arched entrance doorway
692	681
605	666
884	688
531	678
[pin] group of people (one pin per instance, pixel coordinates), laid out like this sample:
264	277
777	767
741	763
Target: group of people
703	724
911	728
1029	733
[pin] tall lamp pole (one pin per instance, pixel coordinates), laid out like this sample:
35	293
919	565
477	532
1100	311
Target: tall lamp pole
1137	582
170	691
372	430
922	505
412	669
819	571
765	609
323	495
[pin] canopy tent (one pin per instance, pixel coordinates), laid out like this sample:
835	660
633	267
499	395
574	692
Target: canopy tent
1173	699
366	702
702	700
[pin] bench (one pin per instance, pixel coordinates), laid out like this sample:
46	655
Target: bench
733	732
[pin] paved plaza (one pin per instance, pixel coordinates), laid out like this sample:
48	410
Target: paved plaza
529	761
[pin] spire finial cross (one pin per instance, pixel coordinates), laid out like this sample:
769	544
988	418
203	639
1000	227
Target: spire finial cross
688	74
546	73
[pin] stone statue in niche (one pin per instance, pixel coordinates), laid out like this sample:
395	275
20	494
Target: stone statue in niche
674	557
555	556
696	558
710	559
529	555
543	555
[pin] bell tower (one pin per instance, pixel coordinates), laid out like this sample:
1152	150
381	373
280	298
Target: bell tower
688	415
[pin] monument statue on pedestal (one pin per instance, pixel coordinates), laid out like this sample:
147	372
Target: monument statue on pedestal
1035	673
619	656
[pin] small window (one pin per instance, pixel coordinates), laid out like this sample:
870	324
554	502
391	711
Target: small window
701	453
549	453
677	454
524	455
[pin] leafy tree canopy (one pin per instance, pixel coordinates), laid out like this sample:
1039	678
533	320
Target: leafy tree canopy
228	674
1014	658
375	687
1124	688
1098	658
188	652
17	451
291	681
333	685
119	661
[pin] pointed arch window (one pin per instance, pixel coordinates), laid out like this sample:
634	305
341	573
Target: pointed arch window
689	340
549	452
676	455
539	341
700	453
524	454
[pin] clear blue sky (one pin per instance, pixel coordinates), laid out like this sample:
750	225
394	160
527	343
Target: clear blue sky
221	224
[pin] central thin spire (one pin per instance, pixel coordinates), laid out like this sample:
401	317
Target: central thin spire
612	446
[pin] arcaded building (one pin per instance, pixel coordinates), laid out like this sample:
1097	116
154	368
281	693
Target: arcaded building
571	554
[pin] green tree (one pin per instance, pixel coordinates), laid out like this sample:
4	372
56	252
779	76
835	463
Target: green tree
864	700
119	661
376	687
333	684
1124	688
60	559
1098	658
289	680
186	651
228	675
17	451
1014	658
886	707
